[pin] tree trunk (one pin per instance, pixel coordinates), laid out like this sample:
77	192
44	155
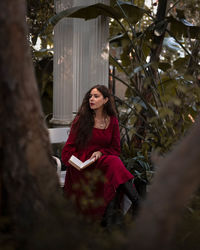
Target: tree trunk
28	178
177	177
30	195
159	31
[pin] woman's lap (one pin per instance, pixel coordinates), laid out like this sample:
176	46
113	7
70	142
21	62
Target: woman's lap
110	173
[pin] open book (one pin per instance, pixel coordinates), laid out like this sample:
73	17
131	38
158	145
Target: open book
78	164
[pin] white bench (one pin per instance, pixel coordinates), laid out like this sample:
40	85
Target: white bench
59	135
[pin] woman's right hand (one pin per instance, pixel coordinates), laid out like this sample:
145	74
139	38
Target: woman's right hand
96	155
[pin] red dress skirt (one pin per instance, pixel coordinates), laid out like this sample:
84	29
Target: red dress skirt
95	186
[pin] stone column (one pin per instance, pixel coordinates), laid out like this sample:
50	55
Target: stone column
90	53
63	67
80	59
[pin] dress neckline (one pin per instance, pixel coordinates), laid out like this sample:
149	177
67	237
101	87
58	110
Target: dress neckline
103	129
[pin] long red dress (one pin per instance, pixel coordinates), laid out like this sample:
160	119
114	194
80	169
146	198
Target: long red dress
95	186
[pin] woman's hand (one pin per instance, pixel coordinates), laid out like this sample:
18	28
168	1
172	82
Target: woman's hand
96	155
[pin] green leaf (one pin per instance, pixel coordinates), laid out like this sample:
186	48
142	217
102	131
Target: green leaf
138	107
145	49
125	58
113	61
181	63
87	12
180	13
169	85
171	99
163	112
182	88
138	100
188	77
164	66
132	12
140	68
117	39
179	29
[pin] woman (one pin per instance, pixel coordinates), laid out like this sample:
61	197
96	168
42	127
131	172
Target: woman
95	134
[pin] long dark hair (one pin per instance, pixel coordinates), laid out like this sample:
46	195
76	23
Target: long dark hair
84	120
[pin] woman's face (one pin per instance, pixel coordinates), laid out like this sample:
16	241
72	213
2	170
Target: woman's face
96	99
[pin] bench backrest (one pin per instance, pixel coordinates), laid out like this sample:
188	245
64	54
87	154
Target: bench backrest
58	135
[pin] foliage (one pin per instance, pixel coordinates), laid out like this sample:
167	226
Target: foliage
157	57
162	97
43	71
38	13
41	42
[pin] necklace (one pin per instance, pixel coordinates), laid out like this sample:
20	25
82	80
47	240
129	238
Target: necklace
102	124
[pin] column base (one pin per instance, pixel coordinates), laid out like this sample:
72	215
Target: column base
61	122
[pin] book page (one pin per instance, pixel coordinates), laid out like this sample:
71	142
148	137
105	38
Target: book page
78	164
88	162
76	161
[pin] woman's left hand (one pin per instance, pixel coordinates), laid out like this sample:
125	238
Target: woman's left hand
96	155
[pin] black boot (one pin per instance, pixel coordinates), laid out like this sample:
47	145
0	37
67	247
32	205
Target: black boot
129	189
112	216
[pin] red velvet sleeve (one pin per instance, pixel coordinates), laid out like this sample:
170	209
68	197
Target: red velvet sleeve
114	147
69	149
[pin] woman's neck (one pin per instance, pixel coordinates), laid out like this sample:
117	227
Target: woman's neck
101	120
99	114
